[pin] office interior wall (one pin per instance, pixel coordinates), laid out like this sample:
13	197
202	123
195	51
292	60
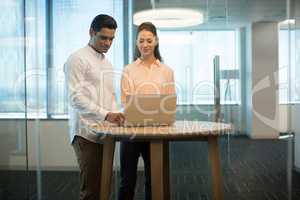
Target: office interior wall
13	145
55	149
262	106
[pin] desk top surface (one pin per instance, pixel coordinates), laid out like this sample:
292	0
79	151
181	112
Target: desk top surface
179	130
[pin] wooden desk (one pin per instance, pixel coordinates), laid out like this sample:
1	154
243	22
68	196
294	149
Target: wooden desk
159	138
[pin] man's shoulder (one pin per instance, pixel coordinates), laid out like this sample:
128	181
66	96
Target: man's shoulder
78	54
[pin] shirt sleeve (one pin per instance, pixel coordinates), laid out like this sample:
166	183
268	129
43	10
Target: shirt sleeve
170	85
81	91
126	86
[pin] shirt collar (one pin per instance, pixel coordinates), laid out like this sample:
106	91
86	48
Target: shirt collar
95	53
157	63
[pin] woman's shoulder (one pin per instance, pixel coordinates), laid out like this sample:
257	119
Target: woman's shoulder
166	67
133	64
130	66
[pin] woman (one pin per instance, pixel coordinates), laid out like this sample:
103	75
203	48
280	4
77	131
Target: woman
146	75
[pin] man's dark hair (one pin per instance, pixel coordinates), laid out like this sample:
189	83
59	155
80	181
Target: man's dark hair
103	21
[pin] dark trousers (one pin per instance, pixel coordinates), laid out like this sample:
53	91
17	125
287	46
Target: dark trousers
89	157
129	155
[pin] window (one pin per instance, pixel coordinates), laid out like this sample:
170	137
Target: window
22	67
71	23
36	75
12	90
35	48
284	37
191	54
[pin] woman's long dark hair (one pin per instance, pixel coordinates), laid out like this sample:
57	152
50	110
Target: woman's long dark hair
148	26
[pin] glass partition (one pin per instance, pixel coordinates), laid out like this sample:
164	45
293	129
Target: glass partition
66	27
258	52
295	162
252	48
36	158
14	175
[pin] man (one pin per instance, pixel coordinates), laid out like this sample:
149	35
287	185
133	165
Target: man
91	99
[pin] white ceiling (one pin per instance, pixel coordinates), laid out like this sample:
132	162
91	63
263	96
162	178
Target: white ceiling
220	14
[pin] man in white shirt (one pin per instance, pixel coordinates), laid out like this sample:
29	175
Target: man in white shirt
91	98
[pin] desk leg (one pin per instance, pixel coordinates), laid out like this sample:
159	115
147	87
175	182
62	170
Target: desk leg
160	178
215	168
107	169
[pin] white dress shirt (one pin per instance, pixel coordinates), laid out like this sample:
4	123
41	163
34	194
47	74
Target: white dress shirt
91	96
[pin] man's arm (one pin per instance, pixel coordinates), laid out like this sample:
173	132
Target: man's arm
81	91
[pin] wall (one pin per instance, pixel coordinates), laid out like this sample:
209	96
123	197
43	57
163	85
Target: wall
13	144
53	142
50	147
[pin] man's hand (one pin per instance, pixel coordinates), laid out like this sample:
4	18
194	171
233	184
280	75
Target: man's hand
116	118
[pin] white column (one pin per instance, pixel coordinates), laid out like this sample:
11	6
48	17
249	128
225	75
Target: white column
262	108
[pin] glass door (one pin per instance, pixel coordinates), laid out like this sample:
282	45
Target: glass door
296	107
14	174
245	36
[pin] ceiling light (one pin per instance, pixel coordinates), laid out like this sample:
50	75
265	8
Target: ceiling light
287	22
169	17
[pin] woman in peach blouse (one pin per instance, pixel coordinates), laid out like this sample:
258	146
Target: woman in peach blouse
146	75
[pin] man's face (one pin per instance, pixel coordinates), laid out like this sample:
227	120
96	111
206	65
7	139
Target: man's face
102	40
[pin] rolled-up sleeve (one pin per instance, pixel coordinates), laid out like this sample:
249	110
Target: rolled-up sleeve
81	91
170	85
126	86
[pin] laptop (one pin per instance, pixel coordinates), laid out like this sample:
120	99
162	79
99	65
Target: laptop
150	110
